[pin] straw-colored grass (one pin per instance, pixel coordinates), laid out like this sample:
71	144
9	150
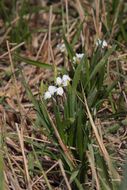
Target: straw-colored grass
77	141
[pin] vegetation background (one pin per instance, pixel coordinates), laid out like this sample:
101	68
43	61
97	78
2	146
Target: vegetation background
78	141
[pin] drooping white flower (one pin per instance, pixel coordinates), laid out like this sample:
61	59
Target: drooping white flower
65	83
58	81
65	80
78	56
52	90
102	43
59	91
47	95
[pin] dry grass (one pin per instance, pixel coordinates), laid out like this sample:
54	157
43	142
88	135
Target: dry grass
18	124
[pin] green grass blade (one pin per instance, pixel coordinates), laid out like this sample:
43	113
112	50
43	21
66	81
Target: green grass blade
34	63
61	126
77	35
102	63
39	107
123	185
74	175
103	172
77	75
79	134
42	170
69	48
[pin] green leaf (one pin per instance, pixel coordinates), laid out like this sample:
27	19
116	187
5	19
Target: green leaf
74	175
69	48
113	129
77	75
39	106
59	123
123	30
79	133
123	185
34	63
77	35
102	63
103	173
31	164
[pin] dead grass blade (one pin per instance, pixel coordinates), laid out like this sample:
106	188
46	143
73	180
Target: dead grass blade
113	172
12	175
64	175
24	157
11	50
93	168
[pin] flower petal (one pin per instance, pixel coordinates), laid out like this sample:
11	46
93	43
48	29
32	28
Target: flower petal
47	95
58	81
59	91
61	47
102	43
52	90
66	78
79	55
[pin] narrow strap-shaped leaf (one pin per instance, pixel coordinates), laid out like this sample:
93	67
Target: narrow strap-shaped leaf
69	48
41	110
77	35
102	62
77	74
34	63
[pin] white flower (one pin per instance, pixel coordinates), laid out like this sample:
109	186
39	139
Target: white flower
52	89
74	59
78	56
61	82
66	78
61	47
64	81
59	91
102	43
58	81
47	95
50	92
